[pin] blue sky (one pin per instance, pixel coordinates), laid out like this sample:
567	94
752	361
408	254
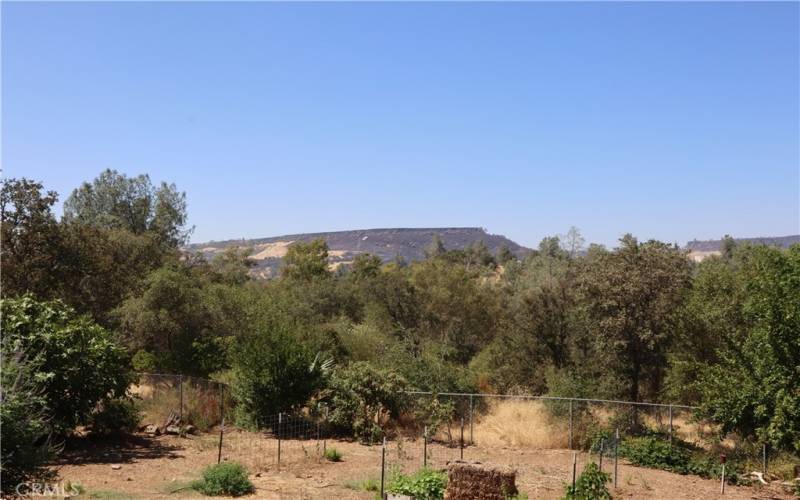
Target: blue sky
668	120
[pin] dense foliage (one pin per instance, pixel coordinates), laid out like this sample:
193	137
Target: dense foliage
109	289
74	362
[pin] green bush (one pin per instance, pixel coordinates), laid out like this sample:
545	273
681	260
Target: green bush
115	416
358	393
75	362
590	485
273	373
224	479
654	451
426	484
25	444
333	455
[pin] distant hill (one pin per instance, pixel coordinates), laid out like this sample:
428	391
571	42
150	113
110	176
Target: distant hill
700	249
408	243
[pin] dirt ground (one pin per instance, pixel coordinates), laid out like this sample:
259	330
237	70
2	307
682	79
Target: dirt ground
144	467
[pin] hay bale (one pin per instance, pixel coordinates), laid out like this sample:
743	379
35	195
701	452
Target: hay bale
476	481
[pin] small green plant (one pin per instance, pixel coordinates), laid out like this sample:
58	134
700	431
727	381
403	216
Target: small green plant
333	455
591	485
426	484
224	479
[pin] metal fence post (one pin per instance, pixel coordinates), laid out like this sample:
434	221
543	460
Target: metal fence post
574	469
325	436
180	391
221	432
318	437
471	407
280	420
602	450
764	459
671	430
383	465
461	443
425	447
570	424
616	457
722	483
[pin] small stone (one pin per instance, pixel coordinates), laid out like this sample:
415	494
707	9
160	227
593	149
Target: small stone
172	429
152	429
129	479
116	467
190	429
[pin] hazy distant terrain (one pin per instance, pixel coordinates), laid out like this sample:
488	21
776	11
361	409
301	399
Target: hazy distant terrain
408	243
700	249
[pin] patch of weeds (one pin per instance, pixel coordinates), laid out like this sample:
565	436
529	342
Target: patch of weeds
224	479
426	484
333	455
107	495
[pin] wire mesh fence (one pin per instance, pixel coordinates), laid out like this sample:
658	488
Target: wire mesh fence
434	430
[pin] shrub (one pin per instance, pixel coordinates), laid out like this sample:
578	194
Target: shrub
224	479
426	484
360	394
273	373
333	455
115	416
144	361
590	485
651	451
75	362
25	444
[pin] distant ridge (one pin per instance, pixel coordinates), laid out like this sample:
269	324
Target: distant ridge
386	243
716	245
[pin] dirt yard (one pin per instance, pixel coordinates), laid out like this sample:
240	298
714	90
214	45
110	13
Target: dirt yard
145	467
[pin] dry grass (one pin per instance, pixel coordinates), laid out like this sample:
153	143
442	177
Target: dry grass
520	424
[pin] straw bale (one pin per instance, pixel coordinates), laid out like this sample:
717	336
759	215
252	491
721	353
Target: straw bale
477	481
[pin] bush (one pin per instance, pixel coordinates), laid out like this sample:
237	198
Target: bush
75	362
25	444
426	484
224	479
273	373
333	455
590	485
360	394
115	416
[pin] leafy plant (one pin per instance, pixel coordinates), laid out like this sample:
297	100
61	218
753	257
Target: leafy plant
590	485
360	395
333	455
115	416
75	362
426	484
224	479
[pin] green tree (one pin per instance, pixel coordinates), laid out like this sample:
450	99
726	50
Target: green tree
77	363
274	373
632	296
435	248
30	239
306	261
754	387
116	201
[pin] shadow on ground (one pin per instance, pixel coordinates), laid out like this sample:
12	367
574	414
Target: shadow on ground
115	450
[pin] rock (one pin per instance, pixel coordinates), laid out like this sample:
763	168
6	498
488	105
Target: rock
116	467
129	479
152	429
172	429
190	429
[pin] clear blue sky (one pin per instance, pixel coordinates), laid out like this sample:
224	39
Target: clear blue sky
667	120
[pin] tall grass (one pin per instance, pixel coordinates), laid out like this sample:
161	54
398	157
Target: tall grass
520	423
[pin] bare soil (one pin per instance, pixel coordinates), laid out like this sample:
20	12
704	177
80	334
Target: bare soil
147	467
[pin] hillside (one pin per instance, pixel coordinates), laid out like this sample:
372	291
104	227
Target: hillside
700	249
408	243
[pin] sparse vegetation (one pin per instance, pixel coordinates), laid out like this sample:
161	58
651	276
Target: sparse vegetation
333	455
590	485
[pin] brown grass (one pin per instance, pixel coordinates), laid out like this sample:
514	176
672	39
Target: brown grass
520	424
